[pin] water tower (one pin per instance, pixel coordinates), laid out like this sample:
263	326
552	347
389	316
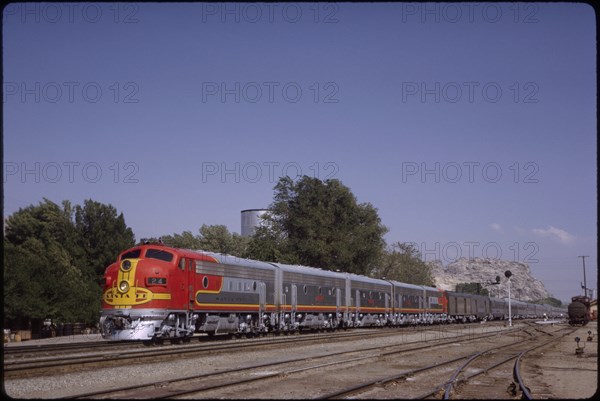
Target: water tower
251	219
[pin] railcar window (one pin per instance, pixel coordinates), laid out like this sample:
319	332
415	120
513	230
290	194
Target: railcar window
159	254
320	291
305	289
132	254
182	264
254	286
205	282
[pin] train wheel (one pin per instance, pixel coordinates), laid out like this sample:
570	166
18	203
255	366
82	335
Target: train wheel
148	343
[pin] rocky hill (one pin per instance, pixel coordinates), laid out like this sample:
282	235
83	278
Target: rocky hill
480	270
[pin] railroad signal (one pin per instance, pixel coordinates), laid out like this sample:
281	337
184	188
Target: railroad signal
508	274
579	350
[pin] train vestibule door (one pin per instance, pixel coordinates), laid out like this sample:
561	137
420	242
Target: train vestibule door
294	297
262	297
191	278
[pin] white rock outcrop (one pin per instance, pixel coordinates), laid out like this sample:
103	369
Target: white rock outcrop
523	286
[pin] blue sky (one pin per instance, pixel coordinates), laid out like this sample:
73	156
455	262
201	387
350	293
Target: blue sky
470	126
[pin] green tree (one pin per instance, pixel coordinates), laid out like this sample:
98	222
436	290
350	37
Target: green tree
549	301
48	265
471	288
267	244
402	262
214	238
217	238
41	273
102	235
185	240
320	224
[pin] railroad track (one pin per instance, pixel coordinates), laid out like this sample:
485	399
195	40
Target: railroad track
206	384
491	373
40	360
409	383
29	361
35	350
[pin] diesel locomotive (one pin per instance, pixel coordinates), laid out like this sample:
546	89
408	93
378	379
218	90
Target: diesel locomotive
154	292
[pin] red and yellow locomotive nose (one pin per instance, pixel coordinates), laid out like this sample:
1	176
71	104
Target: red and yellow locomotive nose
126	288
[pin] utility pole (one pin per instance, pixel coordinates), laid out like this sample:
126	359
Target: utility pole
584	282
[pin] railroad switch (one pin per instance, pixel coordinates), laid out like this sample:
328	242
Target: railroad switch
579	350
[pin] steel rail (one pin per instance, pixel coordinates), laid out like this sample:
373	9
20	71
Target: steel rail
365	385
517	356
451	340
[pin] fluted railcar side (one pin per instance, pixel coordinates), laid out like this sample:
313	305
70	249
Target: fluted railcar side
369	300
234	295
309	298
417	304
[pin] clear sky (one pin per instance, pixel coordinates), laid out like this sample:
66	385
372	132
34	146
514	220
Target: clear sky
471	127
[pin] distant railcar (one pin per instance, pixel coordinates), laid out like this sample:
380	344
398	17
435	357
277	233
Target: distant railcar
579	311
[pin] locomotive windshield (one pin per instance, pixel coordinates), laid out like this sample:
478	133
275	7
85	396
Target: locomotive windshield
159	254
132	254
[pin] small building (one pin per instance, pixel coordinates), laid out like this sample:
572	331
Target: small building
594	309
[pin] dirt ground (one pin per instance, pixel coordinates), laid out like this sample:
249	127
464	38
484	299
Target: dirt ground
560	373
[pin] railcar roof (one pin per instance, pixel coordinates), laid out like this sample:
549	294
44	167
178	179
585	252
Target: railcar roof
234	260
365	279
406	285
468	295
309	270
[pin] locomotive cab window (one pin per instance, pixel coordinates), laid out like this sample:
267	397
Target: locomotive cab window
132	254
159	254
182	263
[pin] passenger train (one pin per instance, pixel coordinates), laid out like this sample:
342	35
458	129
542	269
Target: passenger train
154	292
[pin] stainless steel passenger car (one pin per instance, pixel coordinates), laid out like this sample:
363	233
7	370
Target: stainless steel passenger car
468	307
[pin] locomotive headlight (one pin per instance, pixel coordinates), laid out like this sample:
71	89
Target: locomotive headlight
126	265
123	286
